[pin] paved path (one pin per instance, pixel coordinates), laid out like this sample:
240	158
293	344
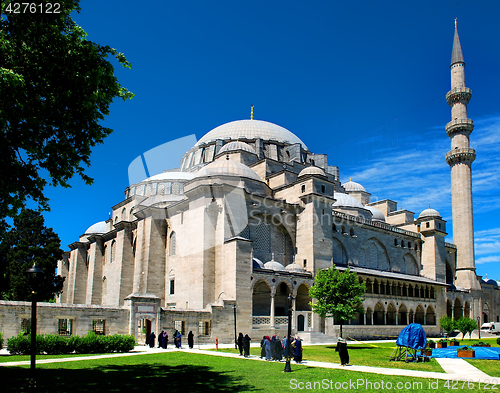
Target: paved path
455	369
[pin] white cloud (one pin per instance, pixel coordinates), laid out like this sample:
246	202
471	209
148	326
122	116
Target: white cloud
489	259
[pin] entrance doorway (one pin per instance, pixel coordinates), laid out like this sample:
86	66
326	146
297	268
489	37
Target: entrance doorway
143	330
300	323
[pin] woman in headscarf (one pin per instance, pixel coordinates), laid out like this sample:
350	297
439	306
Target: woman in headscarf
190	339
263	347
273	349
342	350
152	337
164	342
278	349
267	345
240	343
297	351
246	345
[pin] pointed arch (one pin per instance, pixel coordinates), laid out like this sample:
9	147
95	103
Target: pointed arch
113	250
409	265
302	299
419	315
339	253
402	315
173	244
378	314
375	254
391	314
430	316
261	299
457	308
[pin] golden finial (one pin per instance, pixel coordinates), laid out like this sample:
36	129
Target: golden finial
455	22
350	179
251	112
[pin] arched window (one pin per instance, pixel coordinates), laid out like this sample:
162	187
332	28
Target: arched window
131	215
280	242
104	254
263	237
124	214
395	242
173	244
351	232
334	228
402	243
104	289
113	250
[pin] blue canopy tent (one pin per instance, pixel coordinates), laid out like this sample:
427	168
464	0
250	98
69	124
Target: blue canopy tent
410	340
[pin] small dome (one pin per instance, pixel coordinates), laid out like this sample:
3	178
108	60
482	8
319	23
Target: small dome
377	215
171	175
97	228
224	167
429	213
293	267
251	129
233	146
257	264
489	281
312	170
344	200
353	186
273	265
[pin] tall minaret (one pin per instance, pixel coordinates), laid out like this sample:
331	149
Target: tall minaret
460	158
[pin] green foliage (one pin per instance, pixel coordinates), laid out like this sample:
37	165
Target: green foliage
56	88
27	242
53	344
466	325
337	294
1	340
443	341
447	324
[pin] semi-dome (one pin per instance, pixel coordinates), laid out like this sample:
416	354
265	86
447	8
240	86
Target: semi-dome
171	175
251	129
97	228
224	167
273	265
353	186
257	264
234	146
344	200
377	215
312	170
293	267
429	213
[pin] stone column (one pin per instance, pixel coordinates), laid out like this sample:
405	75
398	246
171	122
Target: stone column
272	312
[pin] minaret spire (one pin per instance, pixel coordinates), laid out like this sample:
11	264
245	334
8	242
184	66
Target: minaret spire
460	159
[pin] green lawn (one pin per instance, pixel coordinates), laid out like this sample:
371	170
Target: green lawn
20	358
191	373
376	355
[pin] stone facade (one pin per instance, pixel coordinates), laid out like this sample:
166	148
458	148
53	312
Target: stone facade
248	219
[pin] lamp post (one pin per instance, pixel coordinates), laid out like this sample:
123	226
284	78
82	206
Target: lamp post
289	303
479	326
235	337
34	270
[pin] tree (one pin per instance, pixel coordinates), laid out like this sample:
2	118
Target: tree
338	294
447	324
28	242
55	88
466	325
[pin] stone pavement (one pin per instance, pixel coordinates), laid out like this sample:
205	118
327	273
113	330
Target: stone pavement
455	369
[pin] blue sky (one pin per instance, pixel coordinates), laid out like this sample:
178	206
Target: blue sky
361	81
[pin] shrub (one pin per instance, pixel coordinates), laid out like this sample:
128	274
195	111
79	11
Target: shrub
1	340
55	345
498	340
19	345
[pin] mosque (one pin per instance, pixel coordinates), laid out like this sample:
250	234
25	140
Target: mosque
249	217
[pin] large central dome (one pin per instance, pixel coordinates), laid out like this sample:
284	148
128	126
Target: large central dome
251	129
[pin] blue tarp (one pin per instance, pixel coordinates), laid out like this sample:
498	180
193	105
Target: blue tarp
481	352
412	336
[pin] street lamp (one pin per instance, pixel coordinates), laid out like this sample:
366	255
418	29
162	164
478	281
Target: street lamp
34	270
479	326
289	304
235	337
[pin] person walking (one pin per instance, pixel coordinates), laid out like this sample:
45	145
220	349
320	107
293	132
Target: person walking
267	345
263	347
297	351
164	341
179	339
191	339
240	343
152	337
278	349
160	338
342	350
246	345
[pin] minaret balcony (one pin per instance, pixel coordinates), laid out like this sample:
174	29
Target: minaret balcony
462	126
458	94
464	155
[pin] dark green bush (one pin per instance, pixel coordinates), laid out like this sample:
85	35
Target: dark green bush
498	340
53	344
1	340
